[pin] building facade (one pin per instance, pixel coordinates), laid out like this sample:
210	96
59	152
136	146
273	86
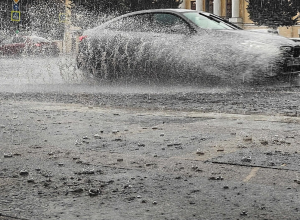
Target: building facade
233	10
236	12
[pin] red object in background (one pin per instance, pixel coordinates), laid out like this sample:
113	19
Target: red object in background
82	37
28	45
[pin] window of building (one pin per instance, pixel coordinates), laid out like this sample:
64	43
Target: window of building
193	5
228	9
209	6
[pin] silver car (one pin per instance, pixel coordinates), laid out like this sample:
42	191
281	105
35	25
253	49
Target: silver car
184	45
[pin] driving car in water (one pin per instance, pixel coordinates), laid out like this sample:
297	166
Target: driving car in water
166	44
28	45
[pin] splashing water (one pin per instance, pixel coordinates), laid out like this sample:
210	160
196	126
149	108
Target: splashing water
211	58
186	60
60	74
22	73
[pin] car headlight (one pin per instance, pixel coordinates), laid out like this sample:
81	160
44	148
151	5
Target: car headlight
287	49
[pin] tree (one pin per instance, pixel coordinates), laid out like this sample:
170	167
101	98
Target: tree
89	13
274	13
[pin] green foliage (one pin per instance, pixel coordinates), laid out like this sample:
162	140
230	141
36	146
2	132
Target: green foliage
274	13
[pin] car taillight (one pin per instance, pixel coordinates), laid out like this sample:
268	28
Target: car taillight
82	37
38	45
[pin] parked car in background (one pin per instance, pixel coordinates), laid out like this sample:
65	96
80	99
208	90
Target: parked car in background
28	45
184	44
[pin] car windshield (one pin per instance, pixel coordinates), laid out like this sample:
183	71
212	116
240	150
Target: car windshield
207	22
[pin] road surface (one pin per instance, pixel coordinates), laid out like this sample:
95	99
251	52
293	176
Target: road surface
76	150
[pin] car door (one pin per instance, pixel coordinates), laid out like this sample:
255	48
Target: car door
143	44
121	44
170	34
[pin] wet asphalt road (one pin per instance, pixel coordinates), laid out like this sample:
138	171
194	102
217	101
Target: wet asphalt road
77	150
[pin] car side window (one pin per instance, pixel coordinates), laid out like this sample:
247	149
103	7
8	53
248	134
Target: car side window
151	22
138	23
169	23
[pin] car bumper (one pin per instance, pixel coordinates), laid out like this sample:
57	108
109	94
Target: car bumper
292	66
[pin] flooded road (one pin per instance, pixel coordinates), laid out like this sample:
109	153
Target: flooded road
77	149
60	74
21	73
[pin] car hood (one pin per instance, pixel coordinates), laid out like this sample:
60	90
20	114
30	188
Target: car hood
255	37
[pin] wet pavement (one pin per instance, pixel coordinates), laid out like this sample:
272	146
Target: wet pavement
88	151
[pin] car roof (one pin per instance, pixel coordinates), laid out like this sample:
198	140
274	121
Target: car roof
167	9
176	10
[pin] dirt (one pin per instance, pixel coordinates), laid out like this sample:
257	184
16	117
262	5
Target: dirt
149	155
